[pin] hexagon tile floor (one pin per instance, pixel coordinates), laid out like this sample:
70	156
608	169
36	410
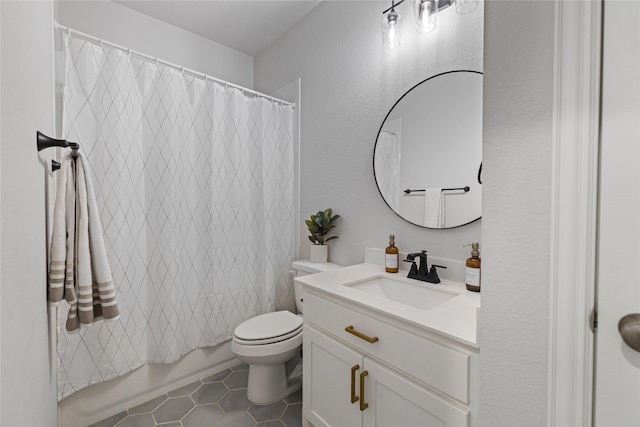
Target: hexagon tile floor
219	400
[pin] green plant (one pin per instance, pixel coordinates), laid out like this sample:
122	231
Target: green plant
319	225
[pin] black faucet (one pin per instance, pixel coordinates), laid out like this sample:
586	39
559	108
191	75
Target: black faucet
420	273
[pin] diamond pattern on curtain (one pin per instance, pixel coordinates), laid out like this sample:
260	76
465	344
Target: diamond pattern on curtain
194	183
387	168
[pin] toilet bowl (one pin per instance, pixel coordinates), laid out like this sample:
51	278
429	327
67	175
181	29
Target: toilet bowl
265	343
268	341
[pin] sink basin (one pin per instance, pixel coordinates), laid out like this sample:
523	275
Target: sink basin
417	296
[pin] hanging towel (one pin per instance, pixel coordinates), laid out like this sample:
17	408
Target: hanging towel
96	291
70	270
60	265
77	255
62	254
433	207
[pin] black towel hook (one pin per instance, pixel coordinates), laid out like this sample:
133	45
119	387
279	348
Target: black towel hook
43	142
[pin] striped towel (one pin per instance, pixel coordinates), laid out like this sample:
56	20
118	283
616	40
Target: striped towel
89	287
61	253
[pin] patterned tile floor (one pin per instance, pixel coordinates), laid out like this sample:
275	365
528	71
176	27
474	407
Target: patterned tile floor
219	400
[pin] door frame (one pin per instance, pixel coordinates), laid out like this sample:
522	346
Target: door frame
576	128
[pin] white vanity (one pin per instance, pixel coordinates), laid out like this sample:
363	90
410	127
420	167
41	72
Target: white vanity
384	350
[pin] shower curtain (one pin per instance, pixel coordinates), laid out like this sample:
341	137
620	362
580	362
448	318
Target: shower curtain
387	167
194	183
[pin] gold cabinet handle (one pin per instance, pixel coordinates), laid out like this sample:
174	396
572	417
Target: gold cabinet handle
363	405
360	334
354	398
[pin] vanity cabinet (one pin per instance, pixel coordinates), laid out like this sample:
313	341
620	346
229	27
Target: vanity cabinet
362	368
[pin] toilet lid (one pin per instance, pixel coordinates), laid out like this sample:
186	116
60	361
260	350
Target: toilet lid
269	325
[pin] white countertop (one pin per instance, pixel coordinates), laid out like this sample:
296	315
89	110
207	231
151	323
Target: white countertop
455	319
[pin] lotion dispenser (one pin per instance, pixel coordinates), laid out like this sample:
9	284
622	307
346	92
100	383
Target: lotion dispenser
473	268
391	256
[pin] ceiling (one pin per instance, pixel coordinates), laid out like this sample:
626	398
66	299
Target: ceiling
247	26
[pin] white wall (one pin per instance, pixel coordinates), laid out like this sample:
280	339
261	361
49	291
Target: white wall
514	321
28	376
129	28
349	83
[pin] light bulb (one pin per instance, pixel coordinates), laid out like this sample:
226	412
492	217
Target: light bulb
426	12
466	6
391	29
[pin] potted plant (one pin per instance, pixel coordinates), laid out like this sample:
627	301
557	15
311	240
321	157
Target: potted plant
319	225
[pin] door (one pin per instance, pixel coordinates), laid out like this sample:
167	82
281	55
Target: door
331	381
392	400
617	376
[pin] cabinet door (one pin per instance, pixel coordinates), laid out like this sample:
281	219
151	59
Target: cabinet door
396	401
328	367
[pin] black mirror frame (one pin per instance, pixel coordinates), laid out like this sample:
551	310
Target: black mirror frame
373	163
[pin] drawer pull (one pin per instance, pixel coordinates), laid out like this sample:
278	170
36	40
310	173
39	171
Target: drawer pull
360	334
354	398
363	404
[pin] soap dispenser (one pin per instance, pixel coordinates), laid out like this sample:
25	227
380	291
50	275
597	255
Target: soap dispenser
391	256
473	268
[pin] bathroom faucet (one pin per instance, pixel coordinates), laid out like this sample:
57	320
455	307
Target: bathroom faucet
420	273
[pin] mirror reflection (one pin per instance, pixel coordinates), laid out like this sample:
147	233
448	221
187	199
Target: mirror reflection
428	153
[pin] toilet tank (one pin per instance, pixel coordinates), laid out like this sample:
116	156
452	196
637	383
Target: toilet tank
303	268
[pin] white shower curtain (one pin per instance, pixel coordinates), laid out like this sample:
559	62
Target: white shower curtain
387	167
194	183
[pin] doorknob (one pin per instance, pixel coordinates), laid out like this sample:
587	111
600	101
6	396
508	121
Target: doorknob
629	327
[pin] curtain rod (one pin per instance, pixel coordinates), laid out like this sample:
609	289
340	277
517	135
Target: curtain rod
97	40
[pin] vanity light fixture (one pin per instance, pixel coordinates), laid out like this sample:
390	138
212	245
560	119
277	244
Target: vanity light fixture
426	14
466	6
391	27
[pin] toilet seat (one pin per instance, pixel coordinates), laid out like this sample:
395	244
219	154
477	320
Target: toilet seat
269	340
268	328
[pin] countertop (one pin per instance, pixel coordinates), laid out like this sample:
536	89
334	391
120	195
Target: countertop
455	319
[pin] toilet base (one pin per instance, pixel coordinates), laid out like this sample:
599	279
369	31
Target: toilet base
276	377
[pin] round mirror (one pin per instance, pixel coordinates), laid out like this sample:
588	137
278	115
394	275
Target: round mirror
428	154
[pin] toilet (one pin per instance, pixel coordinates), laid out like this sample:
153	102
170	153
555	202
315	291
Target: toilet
268	341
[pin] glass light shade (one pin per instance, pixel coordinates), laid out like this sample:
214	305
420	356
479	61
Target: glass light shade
466	6
426	12
391	29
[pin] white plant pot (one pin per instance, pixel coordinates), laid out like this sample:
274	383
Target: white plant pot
319	253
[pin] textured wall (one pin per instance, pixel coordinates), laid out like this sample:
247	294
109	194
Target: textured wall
132	29
349	82
518	90
28	373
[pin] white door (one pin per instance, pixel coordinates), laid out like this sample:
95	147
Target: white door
617	386
395	401
330	387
